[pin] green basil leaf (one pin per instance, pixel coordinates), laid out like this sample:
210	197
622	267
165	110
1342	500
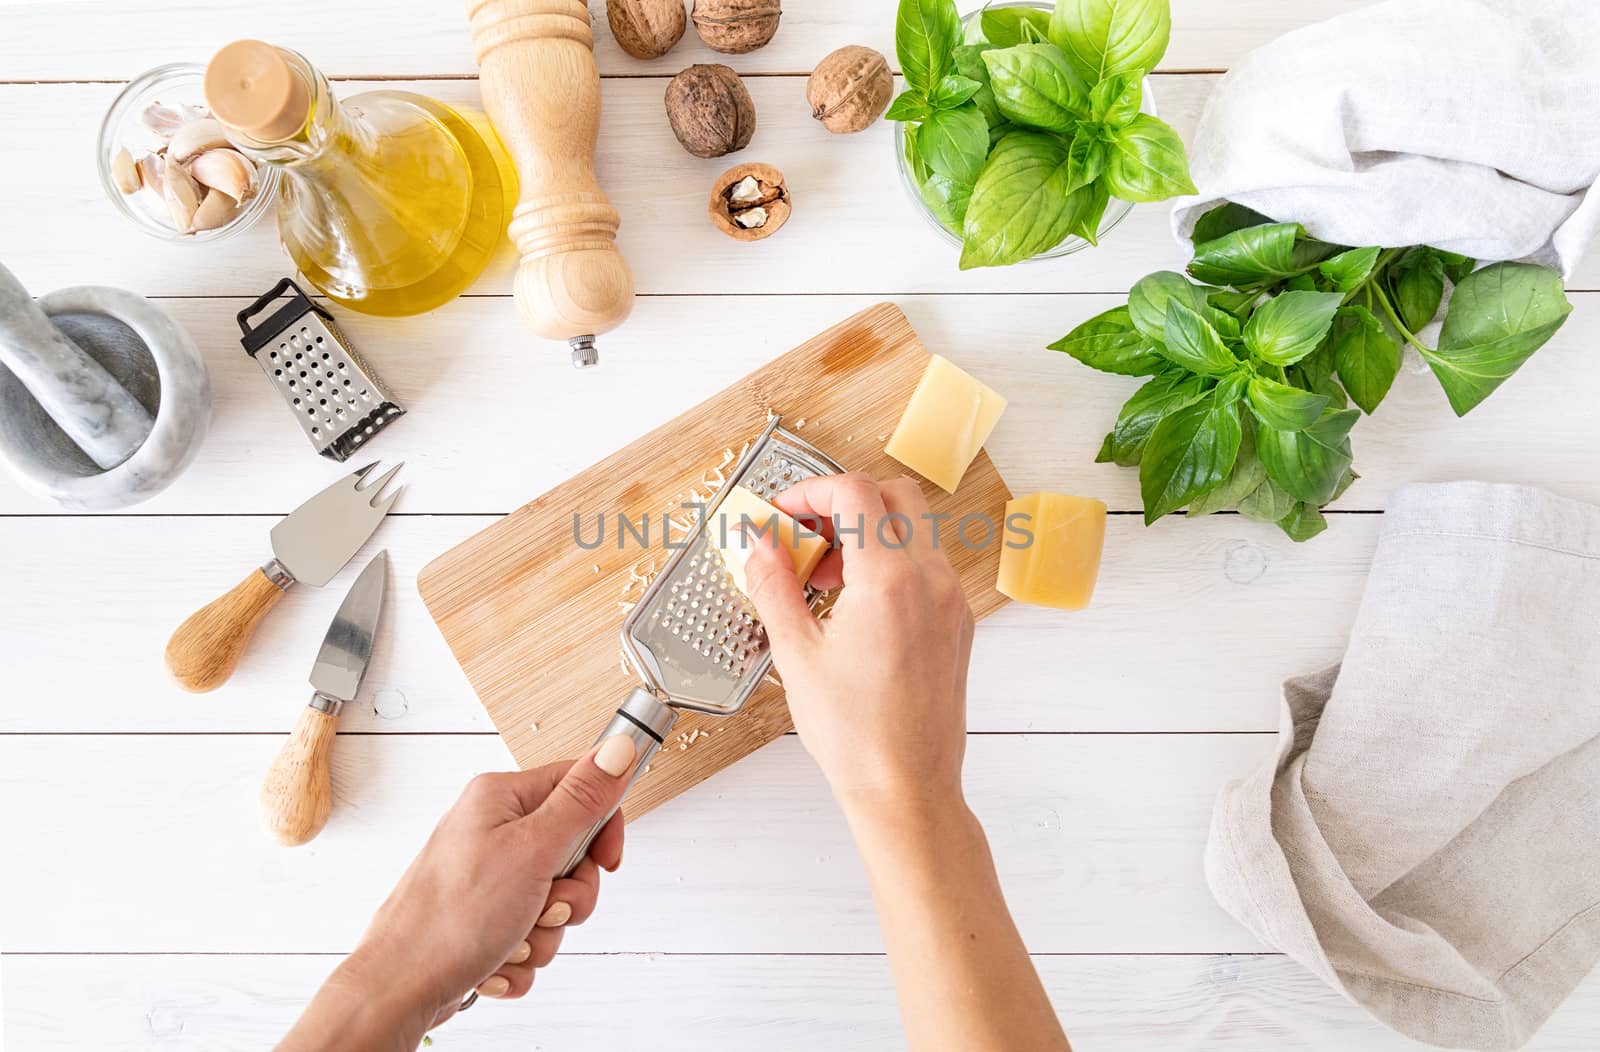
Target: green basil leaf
1006	26
1021	205
914	162
1189	340
1086	159
1225	219
1095	198
1246	477
925	33
1498	317
1345	483
1107	445
1189	452
1349	269
1247	256
953	90
968	61
1103	38
946	199
955	143
1456	266
1289	326
1417	280
1301	283
1147	162
908	106
1034	86
1284	408
1149	405
1267	502
1231	388
1237	304
1330	387
1367	357
1147	301
1310	372
1116	100
1110	343
1304	522
1309	464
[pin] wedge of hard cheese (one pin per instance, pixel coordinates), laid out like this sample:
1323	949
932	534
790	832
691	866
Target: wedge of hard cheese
743	508
946	422
1052	549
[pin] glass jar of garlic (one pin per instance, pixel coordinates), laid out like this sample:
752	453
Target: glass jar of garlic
166	165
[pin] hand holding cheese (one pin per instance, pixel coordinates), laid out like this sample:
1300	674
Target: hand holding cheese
743	520
1059	539
946	423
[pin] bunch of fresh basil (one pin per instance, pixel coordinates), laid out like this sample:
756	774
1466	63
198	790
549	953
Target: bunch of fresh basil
1252	371
1022	139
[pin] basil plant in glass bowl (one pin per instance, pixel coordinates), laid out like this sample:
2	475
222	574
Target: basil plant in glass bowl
1027	130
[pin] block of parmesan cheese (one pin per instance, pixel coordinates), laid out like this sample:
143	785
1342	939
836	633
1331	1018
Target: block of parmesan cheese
742	507
1051	551
946	422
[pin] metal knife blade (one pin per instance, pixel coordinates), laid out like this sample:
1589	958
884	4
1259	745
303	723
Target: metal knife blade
316	539
347	648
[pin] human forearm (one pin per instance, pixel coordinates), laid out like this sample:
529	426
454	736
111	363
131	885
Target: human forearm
961	971
352	1013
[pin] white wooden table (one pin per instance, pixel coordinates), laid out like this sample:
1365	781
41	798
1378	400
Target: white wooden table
140	907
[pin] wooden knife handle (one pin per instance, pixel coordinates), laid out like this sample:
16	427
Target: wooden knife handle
206	648
541	90
297	795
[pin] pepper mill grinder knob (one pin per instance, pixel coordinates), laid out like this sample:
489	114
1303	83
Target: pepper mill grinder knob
541	90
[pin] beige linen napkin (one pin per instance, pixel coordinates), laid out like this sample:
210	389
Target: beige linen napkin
1427	838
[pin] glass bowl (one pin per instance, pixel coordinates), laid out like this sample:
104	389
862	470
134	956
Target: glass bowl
177	84
1115	212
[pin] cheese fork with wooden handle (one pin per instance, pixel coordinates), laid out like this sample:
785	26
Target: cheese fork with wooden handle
297	795
311	545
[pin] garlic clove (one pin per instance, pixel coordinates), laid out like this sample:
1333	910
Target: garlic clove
152	173
182	195
125	173
164	121
226	170
217	209
194	138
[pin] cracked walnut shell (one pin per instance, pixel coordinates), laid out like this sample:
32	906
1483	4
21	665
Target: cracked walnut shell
850	89
646	28
736	26
749	202
710	110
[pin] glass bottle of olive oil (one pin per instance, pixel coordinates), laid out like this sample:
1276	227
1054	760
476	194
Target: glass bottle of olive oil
391	203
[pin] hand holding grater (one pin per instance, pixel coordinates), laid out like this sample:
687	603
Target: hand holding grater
338	400
693	638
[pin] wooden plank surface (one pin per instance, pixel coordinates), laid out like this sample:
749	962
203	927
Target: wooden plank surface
113	38
1201	1003
533	617
1097	839
493	420
855	228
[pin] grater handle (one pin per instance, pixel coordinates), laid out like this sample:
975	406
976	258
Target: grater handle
647	721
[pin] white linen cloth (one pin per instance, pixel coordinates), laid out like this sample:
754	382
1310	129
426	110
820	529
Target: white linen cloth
1469	125
1427	838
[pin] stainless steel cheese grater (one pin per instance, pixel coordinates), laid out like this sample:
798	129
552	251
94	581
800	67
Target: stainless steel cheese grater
338	400
693	639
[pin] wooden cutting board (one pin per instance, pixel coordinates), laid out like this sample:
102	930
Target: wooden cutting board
536	626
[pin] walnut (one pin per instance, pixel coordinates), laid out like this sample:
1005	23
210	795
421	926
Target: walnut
850	89
749	202
646	28
736	26
710	111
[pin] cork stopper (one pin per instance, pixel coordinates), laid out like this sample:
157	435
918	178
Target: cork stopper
253	90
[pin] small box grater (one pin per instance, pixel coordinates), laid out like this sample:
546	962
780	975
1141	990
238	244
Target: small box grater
338	400
693	637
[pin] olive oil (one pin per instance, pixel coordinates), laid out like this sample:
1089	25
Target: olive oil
391	203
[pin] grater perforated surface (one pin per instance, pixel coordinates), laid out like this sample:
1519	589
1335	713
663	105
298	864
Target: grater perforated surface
339	402
693	637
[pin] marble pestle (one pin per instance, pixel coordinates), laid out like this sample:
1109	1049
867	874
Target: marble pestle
95	411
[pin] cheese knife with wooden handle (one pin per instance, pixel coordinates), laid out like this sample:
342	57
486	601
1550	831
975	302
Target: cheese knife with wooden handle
297	795
310	545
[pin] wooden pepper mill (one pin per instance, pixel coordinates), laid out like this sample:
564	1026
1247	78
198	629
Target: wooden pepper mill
541	90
